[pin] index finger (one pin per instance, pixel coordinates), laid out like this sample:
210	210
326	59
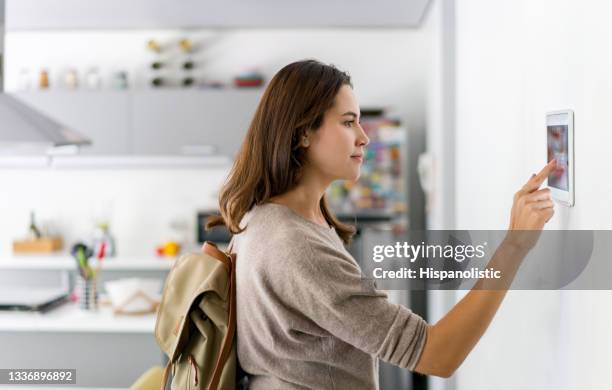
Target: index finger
536	181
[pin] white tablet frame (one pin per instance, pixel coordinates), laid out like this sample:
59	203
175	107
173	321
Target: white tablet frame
563	117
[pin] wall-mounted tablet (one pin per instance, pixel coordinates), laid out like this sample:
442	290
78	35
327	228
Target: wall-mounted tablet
560	146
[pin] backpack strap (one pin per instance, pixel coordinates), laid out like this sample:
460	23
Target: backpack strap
164	383
231	245
231	330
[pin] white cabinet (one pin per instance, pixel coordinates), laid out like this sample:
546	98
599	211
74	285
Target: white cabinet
147	14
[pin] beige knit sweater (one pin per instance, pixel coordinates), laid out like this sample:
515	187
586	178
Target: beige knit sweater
305	318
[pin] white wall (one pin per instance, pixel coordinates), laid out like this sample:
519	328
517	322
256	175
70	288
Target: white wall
440	113
388	68
515	61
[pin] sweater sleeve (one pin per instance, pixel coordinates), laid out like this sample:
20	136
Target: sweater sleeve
327	287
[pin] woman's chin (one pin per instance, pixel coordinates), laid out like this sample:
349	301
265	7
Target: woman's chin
352	175
355	176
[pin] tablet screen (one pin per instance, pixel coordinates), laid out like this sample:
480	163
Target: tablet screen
558	149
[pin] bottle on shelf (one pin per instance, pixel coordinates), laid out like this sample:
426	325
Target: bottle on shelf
157	65
158	82
33	230
43	81
188	65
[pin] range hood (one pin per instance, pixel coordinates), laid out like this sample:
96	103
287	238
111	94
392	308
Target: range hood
25	130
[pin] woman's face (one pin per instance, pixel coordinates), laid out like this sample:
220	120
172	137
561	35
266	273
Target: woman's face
336	149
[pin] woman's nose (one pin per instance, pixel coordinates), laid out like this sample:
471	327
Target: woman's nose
362	139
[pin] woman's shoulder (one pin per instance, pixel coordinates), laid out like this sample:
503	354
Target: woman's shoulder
272	224
277	229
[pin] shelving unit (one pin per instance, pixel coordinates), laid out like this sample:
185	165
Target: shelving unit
64	261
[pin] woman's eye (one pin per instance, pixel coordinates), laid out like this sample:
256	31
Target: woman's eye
348	123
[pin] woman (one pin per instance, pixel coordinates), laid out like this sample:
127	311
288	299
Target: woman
305	319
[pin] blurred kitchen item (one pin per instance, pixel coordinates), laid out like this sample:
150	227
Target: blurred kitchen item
188	65
134	295
158	82
103	242
43	79
186	45
92	79
169	248
426	170
154	45
187	82
40	245
87	293
25	79
33	230
216	234
120	80
86	285
157	65
81	254
30	299
249	79
71	79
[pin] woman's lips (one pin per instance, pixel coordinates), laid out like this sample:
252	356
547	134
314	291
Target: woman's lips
357	158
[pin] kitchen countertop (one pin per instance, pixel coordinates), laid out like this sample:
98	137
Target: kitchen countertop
69	318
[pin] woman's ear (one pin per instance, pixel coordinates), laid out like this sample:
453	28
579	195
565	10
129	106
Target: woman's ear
306	139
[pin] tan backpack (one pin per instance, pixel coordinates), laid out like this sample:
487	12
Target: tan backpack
196	321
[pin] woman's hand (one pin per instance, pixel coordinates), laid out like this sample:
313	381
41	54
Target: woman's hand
531	210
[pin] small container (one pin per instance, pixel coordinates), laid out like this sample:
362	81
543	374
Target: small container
92	79
87	292
25	79
43	80
71	79
120	80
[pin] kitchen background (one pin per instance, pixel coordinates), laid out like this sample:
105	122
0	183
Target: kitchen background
469	82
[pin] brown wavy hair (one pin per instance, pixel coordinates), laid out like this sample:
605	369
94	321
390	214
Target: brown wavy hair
270	159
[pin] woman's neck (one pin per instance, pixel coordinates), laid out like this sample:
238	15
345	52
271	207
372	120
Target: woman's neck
305	198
